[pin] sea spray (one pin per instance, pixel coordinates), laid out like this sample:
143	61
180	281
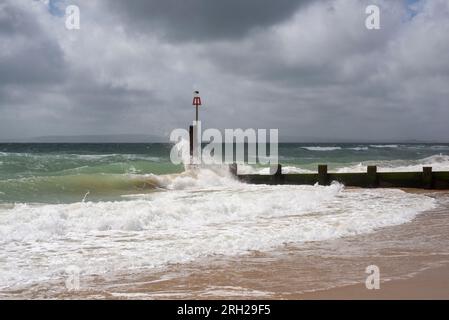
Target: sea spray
143	212
188	222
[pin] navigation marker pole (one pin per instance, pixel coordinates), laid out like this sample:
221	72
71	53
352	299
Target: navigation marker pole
194	143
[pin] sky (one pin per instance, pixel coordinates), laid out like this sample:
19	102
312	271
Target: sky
308	68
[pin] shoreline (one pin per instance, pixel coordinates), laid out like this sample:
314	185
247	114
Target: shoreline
410	269
413	259
429	284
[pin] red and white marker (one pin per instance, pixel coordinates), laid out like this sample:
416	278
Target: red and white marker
196	102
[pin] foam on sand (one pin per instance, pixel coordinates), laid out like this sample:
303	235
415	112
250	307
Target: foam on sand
201	213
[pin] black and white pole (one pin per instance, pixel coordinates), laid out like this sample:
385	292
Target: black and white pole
194	130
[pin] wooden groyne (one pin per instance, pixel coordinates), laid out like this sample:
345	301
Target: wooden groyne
426	179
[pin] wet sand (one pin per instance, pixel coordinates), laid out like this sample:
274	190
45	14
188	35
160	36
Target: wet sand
431	284
413	259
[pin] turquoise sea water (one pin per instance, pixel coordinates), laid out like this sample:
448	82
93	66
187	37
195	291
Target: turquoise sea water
64	173
114	209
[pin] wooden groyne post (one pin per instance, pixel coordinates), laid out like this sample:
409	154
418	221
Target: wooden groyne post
278	177
427	178
322	175
371	178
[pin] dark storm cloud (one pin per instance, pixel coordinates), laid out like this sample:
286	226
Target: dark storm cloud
14	20
109	104
203	20
309	68
38	63
43	93
29	56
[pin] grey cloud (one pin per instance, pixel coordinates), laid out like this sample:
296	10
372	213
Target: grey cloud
29	55
203	20
105	102
15	21
310	70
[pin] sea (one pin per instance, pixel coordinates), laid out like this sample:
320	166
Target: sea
109	211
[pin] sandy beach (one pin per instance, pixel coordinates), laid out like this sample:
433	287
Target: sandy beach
413	260
430	284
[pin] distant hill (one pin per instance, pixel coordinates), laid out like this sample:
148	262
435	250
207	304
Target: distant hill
147	138
119	138
307	139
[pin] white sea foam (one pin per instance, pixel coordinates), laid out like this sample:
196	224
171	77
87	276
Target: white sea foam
247	169
292	169
203	212
440	147
384	146
88	157
317	148
321	148
437	162
96	157
358	148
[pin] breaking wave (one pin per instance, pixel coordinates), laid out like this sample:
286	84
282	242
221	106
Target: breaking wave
198	215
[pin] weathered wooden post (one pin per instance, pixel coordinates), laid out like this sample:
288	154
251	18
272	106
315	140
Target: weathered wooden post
427	178
372	180
322	174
